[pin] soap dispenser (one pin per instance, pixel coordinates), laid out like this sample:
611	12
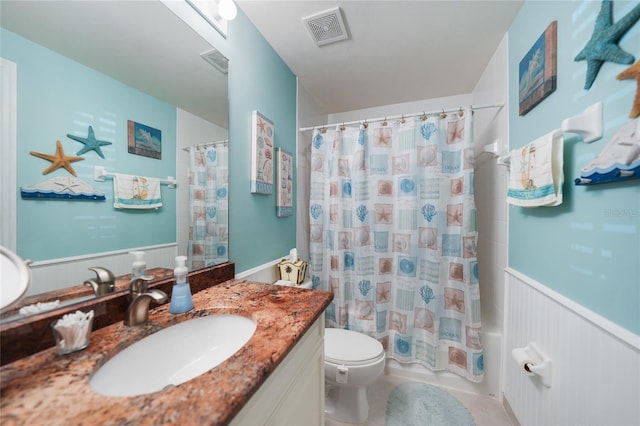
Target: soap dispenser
181	294
139	265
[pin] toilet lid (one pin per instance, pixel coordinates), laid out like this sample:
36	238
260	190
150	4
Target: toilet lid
348	347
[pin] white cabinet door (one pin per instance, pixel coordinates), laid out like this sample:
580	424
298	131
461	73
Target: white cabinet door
294	393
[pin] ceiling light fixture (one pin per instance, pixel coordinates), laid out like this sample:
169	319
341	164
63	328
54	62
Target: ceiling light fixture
227	9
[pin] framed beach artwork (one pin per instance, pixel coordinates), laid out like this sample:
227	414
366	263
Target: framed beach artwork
262	132
284	183
538	70
144	140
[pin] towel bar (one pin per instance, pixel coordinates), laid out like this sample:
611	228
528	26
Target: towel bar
100	173
588	125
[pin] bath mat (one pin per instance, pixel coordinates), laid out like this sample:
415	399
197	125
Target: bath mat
413	404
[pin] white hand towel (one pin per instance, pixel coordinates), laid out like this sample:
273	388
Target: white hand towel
535	175
136	192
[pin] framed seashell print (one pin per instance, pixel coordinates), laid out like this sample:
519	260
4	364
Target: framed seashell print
262	137
284	183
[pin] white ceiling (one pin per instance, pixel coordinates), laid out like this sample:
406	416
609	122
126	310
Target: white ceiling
140	43
399	51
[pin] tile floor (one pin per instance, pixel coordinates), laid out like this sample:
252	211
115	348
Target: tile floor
486	411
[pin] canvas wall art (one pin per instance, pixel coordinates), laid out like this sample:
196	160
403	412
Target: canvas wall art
284	183
144	140
538	70
262	136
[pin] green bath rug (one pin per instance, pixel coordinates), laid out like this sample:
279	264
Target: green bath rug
420	404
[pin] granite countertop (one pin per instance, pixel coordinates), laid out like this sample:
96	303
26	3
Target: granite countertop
47	387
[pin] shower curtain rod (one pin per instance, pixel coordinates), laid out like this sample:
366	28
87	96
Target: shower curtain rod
395	117
204	145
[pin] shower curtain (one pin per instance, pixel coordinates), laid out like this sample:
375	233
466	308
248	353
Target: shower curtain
208	206
393	235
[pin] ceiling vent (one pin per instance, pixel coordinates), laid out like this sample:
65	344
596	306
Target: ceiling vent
217	59
326	27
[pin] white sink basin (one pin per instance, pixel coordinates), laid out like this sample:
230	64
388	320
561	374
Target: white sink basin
173	356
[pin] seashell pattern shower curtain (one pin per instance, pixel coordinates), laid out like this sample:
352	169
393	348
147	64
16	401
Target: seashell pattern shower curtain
393	235
208	206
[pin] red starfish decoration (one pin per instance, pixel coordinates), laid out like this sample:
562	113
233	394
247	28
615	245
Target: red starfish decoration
633	72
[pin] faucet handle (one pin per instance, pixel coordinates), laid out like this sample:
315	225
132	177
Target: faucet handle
103	275
139	285
104	282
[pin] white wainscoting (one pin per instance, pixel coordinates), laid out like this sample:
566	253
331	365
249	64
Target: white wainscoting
65	272
265	273
595	378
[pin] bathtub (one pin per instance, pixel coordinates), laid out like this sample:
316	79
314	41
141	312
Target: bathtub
492	342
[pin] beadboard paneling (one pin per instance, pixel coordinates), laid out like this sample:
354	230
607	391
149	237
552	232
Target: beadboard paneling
595	364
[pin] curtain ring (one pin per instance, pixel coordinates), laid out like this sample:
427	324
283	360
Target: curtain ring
323	130
402	120
443	115
365	124
460	113
423	117
342	127
384	122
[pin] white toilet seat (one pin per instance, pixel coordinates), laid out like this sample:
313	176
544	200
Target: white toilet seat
349	348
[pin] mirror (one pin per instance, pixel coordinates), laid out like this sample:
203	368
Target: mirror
144	46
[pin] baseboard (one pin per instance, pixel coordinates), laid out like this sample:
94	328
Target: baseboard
510	413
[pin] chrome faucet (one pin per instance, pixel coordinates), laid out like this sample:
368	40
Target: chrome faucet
140	296
104	282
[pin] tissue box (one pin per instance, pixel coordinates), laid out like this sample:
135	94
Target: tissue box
292	271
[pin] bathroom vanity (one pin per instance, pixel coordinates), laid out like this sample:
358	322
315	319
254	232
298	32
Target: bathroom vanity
277	377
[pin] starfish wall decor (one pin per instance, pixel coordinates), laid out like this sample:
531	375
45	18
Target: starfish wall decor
633	72
90	143
603	47
58	160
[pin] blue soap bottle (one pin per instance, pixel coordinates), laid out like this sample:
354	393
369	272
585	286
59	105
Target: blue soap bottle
181	294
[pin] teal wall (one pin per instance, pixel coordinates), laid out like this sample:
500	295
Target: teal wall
258	80
57	96
587	249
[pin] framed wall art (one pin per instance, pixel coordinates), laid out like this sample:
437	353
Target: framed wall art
144	140
538	70
262	133
284	183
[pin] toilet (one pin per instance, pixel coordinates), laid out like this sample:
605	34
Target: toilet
352	361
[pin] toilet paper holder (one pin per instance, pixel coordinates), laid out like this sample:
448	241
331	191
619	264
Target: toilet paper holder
534	362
